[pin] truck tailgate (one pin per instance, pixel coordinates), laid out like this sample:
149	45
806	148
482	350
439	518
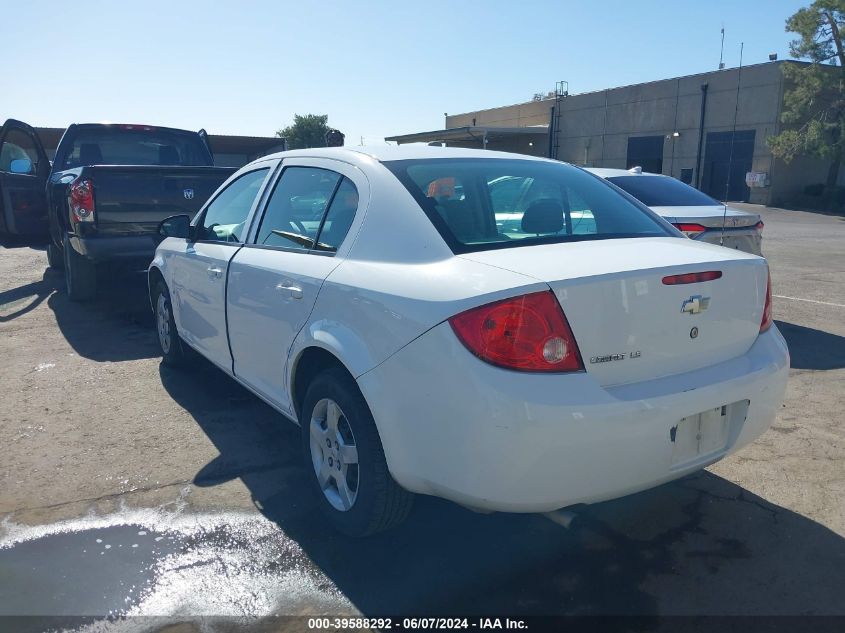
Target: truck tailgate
135	198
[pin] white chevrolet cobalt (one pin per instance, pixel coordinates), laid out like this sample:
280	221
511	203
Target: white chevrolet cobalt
428	341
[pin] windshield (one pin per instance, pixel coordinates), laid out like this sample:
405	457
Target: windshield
662	191
485	203
120	146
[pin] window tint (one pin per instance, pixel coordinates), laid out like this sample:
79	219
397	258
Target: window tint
657	191
339	217
225	217
120	146
16	146
296	207
504	203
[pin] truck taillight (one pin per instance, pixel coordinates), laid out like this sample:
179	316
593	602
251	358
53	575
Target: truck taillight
689	229
527	333
766	322
81	200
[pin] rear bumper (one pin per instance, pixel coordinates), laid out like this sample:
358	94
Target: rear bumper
125	249
455	427
747	240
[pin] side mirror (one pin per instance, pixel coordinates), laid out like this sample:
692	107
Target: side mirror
21	166
175	226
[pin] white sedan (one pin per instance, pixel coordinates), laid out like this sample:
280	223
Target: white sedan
695	214
390	303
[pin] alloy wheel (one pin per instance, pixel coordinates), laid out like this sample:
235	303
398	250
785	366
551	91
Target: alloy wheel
334	454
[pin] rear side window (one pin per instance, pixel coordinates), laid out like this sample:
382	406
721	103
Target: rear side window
484	203
225	217
662	191
310	208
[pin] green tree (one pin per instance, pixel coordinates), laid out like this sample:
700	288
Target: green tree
307	130
814	104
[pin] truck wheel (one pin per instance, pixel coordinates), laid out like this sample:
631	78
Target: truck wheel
80	275
172	349
55	257
345	460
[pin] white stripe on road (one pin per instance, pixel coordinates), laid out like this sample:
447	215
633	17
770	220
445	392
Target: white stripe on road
824	303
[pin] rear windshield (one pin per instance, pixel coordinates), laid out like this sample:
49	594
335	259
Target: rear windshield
118	146
660	191
486	203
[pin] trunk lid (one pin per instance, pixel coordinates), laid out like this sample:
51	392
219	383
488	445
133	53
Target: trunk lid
710	217
628	324
135	198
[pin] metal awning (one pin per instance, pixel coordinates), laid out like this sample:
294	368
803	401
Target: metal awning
471	133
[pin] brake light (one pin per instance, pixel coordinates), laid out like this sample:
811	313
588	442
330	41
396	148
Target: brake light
691	278
766	322
81	200
527	333
759	226
690	230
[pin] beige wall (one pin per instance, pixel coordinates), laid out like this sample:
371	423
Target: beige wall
595	127
519	115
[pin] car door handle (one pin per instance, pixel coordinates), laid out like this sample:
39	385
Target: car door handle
295	291
214	272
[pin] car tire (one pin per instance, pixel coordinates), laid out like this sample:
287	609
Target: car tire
172	349
55	257
80	274
372	500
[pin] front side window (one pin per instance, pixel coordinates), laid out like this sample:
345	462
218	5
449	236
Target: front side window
18	146
225	217
296	207
484	203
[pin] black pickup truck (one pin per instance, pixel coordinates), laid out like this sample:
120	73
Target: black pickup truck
106	191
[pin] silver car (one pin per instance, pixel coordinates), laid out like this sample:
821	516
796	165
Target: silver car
694	213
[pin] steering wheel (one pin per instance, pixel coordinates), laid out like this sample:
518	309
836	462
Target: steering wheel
300	227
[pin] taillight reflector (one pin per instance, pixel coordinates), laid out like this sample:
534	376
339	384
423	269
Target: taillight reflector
759	226
767	320
691	278
527	333
689	229
81	200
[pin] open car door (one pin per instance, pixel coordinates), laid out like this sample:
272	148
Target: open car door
24	170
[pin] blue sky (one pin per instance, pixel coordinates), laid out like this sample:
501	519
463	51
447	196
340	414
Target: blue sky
376	68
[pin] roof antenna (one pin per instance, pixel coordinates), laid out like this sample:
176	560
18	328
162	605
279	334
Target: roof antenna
731	155
722	50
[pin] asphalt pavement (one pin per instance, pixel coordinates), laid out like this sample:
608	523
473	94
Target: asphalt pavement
129	489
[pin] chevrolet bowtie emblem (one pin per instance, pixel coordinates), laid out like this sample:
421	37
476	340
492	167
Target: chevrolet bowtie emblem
695	304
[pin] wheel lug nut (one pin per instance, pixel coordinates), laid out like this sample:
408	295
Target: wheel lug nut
338	465
329	443
331	462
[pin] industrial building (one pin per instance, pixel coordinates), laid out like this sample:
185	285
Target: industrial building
708	130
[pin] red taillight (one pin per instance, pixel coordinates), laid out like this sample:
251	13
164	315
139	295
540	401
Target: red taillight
691	278
81	200
690	230
759	226
527	333
766	322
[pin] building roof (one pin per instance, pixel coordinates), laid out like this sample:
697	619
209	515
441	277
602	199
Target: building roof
468	133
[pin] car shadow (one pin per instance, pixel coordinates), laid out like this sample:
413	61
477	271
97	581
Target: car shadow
813	349
116	325
16	302
696	546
